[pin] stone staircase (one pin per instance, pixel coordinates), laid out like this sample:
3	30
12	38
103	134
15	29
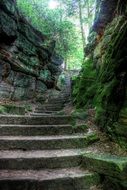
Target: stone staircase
44	152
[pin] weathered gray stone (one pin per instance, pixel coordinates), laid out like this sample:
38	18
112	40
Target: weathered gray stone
22	50
29	120
39	130
68	179
45	142
32	160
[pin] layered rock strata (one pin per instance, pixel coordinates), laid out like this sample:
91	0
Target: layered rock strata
27	64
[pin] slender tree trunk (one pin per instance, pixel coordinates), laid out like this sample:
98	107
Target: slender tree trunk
65	64
81	23
98	2
88	13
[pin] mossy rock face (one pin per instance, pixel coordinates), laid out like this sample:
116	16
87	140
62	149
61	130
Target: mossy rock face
93	137
84	85
112	73
113	184
111	166
102	81
111	89
120	129
28	62
2	109
12	109
79	115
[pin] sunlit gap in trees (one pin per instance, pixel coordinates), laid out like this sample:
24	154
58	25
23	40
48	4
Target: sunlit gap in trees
53	4
67	22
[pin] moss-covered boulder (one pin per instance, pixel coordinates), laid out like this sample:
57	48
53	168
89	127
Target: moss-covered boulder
113	168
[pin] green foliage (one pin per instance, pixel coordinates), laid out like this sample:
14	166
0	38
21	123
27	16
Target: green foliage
79	114
2	109
12	109
60	24
55	25
85	85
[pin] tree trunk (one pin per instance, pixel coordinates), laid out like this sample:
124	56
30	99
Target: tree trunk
81	23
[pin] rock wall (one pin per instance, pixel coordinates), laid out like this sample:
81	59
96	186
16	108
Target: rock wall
28	66
107	56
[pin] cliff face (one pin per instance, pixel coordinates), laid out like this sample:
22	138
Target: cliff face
27	65
107	59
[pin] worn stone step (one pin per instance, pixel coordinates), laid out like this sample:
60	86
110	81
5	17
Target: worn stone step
107	164
51	105
41	114
53	179
46	111
47	108
39	130
57	101
46	142
40	159
31	120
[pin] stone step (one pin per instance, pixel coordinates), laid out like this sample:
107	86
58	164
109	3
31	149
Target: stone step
107	164
39	130
46	142
51	105
55	104
53	179
41	114
57	101
50	159
47	111
47	108
31	120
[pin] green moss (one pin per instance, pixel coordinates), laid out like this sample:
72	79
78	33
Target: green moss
28	108
84	85
111	86
91	180
105	89
111	165
79	115
92	138
60	113
12	109
2	109
123	112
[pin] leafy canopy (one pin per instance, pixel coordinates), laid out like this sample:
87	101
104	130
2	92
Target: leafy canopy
60	23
